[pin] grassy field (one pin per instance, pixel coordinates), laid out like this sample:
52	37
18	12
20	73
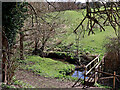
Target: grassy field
93	43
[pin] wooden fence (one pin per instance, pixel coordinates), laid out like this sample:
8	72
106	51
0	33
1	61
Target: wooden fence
95	69
114	76
88	68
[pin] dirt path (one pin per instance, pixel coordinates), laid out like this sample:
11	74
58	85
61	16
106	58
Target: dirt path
40	81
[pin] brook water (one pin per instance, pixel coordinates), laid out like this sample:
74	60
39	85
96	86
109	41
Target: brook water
79	74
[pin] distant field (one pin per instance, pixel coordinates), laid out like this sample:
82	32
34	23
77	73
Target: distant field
93	43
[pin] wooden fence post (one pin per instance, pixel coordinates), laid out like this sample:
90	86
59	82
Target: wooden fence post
100	69
95	75
90	66
85	75
114	80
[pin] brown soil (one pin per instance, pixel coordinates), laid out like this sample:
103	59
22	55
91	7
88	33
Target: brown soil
38	81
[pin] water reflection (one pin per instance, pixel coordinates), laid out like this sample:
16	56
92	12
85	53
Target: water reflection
79	74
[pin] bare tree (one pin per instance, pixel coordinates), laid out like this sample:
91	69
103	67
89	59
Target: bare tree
46	28
110	14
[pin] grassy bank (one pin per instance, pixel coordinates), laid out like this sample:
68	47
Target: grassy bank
48	68
93	43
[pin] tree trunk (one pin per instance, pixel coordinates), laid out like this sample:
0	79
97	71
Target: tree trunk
119	43
4	68
4	59
36	44
42	48
1	55
21	46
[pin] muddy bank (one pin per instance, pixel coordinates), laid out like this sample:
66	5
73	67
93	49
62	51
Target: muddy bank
84	58
63	57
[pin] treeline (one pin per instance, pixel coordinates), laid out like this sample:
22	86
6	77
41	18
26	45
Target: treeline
96	4
62	6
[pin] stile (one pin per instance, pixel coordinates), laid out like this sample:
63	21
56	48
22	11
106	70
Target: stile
85	74
114	80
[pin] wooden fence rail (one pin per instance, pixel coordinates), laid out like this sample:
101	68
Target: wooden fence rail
114	76
98	68
97	71
95	62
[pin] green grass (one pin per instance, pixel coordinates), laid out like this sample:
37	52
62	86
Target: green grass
48	68
93	43
3	85
19	83
101	86
22	84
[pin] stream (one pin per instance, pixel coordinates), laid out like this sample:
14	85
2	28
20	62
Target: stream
75	73
79	74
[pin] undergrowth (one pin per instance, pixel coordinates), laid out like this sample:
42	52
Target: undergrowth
48	68
101	86
17	83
